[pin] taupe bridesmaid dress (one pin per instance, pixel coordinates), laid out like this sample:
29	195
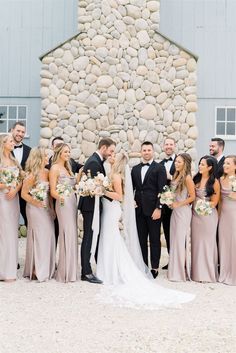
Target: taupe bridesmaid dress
9	223
227	238
40	247
67	269
203	244
179	260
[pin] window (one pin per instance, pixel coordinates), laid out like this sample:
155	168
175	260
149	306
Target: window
9	114
226	122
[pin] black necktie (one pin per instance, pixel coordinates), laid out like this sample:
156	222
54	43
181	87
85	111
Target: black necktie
145	164
19	146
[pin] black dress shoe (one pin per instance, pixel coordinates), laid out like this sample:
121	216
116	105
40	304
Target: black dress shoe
91	279
165	267
154	273
18	266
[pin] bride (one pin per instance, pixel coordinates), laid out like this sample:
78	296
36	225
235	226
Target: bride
127	280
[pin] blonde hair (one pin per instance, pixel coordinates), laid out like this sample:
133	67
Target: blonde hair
57	154
35	161
186	171
118	167
3	140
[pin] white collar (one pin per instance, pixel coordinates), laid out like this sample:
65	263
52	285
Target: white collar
220	157
100	156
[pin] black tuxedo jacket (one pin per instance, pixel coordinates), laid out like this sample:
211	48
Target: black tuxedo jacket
172	168
25	155
75	166
146	193
94	165
220	169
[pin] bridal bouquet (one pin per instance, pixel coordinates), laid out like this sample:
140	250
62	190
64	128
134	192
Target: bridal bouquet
203	208
89	186
232	182
40	192
9	177
64	190
167	197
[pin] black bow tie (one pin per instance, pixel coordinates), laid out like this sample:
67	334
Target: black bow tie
145	164
168	159
19	146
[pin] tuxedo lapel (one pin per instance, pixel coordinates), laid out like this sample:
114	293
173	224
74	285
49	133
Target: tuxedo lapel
148	172
96	156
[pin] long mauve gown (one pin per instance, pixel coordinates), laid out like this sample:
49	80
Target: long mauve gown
227	238
9	223
179	261
67	269
40	248
203	242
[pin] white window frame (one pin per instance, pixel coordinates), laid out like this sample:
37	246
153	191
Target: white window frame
17	118
225	137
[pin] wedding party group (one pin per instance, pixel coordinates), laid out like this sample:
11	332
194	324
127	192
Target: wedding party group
196	213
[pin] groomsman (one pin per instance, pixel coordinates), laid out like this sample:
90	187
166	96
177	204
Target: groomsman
148	179
169	164
94	164
216	149
21	153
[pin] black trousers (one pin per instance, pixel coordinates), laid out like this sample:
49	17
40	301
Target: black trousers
165	218
148	228
86	243
23	209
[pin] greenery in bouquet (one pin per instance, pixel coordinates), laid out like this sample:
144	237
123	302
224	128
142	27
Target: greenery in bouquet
64	190
9	177
167	197
203	207
40	192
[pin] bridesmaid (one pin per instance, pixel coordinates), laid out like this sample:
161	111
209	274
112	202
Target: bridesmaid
40	248
179	262
227	224
61	177
9	210
203	228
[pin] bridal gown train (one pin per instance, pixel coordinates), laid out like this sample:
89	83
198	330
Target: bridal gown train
124	284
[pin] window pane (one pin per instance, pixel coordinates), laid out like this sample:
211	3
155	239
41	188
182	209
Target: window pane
230	129
10	124
3	126
12	112
220	114
220	129
3	113
21	113
231	114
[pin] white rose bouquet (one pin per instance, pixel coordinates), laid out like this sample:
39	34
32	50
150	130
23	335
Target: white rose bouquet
9	177
40	192
203	207
167	197
232	182
64	190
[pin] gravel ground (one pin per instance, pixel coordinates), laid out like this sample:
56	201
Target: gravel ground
66	318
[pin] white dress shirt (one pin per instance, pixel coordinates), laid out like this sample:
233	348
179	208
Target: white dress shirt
18	153
145	169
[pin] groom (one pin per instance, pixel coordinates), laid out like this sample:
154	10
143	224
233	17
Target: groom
94	164
148	179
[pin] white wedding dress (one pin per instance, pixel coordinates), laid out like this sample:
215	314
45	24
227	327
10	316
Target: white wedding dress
127	281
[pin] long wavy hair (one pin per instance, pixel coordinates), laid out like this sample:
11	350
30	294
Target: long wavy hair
183	174
211	162
234	160
3	140
34	163
119	166
57	153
